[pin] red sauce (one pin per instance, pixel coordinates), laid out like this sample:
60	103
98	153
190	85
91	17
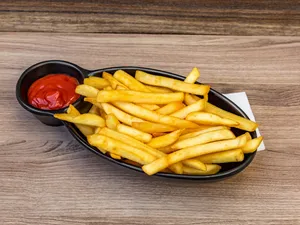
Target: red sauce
52	92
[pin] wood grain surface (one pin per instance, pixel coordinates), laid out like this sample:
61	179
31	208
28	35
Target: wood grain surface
48	178
247	17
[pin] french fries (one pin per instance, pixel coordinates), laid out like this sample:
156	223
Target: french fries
137	134
198	89
96	82
138	97
160	124
210	119
170	108
165	140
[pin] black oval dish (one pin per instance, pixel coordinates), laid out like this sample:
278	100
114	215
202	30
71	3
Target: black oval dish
56	66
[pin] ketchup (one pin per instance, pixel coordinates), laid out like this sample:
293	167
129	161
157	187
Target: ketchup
52	92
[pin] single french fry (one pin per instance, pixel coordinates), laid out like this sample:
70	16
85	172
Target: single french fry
193	76
165	140
170	108
157	134
85	130
84	119
139	97
234	155
113	81
149	127
210	119
252	145
201	131
96	82
174	84
111	121
210	170
149	115
149	106
192	152
243	123
94	110
195	107
108	88
211	136
189	99
137	134
194	163
166	149
115	156
130	81
119	148
158	89
121	116
177	167
191	130
87	90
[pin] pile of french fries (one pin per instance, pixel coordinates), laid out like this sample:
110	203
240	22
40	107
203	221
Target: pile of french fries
160	124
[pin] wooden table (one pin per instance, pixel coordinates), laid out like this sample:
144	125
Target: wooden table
48	178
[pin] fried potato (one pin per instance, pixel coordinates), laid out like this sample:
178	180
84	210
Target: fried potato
243	123
149	127
194	163
138	97
210	119
119	148
252	145
113	81
166	149
189	99
121	116
151	107
130	82
193	76
87	90
114	156
234	155
146	114
84	119
170	108
201	131
192	152
137	134
195	107
174	84
96	82
210	169
108	88
85	130
177	167
157	134
158	89
111	121
165	140
199	128
94	110
211	136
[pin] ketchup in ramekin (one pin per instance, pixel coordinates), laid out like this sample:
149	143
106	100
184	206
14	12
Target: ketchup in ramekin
53	92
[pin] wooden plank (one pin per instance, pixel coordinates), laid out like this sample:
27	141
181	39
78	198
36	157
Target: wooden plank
155	17
48	178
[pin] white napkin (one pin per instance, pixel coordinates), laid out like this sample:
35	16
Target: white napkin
241	100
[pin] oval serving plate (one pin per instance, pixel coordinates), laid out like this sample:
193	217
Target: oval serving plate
216	98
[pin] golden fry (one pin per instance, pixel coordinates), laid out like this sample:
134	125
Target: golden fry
94	110
84	119
96	82
189	99
114	156
137	134
130	81
170	108
158	89
113	81
139	97
154	116
87	91
192	152
252	145
235	155
174	84
165	140
195	107
201	131
149	106
243	123
194	163
111	121
217	135
210	119
210	169
149	127
157	134
193	76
